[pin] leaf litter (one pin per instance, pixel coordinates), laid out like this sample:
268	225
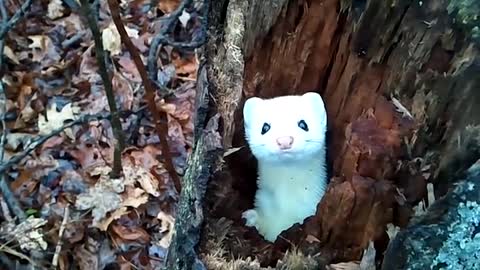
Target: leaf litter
51	78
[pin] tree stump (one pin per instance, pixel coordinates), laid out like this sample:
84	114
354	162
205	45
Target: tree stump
400	82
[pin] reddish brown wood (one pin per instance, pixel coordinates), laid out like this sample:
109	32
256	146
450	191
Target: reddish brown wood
362	57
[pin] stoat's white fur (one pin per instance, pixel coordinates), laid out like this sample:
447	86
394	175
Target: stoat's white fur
290	182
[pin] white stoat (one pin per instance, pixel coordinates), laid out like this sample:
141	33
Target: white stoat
287	136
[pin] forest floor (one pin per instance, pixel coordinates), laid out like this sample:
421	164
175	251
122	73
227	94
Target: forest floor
72	214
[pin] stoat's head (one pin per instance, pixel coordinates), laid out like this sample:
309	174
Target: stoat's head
285	128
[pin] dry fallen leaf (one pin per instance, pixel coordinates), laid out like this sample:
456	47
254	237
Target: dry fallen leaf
134	197
14	140
55	120
129	70
131	233
43	51
111	38
167	6
8	52
185	65
103	225
55	9
146	180
28	233
113	194
167	228
102	198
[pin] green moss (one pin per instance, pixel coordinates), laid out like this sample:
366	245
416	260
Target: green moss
466	15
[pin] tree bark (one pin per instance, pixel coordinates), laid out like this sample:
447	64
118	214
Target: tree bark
400	83
446	236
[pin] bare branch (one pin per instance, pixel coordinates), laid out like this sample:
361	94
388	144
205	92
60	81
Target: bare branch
15	18
42	139
107	82
159	117
163	39
58	248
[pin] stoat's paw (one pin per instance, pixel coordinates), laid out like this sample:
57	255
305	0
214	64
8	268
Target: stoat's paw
251	217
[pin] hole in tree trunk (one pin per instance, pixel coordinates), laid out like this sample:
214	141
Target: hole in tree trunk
390	133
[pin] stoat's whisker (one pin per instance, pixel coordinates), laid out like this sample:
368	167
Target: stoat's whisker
319	141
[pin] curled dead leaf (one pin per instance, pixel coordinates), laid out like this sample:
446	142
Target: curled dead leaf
166	228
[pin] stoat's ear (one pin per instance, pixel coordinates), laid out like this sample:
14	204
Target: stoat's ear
314	98
251	106
317	103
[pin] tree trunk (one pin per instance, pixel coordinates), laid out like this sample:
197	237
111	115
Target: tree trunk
400	82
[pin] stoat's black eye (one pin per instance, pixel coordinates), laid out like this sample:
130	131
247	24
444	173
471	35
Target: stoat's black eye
303	125
265	128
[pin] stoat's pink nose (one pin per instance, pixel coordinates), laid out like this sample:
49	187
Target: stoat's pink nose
285	142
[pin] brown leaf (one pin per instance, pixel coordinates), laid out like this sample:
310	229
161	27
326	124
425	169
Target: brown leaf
167	6
129	69
167	228
146	157
134	197
187	66
131	234
103	225
88	157
123	92
147	181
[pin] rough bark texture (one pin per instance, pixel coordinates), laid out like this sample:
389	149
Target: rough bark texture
446	236
400	82
189	216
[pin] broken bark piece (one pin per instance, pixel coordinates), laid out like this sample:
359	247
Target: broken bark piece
446	235
352	213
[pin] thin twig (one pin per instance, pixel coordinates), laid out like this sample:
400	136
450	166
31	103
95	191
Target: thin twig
159	117
9	250
10	198
3	95
42	139
5	210
15	18
58	248
162	39
107	82
8	195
